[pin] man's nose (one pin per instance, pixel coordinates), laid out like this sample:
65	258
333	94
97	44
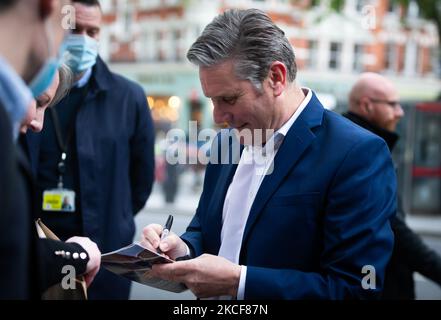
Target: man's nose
219	116
399	112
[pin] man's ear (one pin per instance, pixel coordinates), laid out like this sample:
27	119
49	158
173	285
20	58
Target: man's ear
365	106
277	77
46	8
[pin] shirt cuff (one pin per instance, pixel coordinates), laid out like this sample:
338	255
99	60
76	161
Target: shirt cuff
187	254
241	289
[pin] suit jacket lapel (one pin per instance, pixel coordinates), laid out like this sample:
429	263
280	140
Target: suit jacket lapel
297	140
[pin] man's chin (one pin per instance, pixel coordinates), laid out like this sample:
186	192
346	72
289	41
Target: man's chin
244	135
392	127
242	127
248	136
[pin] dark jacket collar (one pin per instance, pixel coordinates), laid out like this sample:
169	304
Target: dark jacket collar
390	137
101	75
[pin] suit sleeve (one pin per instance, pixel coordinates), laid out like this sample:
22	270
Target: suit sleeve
193	237
193	234
356	234
142	161
51	265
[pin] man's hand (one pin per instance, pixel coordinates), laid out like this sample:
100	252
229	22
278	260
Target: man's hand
94	253
172	245
206	276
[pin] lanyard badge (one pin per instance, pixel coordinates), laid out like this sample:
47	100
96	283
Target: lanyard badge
61	199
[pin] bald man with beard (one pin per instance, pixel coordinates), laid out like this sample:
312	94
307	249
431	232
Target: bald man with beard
374	105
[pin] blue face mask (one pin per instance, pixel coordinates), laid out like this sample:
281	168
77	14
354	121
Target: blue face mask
45	76
82	52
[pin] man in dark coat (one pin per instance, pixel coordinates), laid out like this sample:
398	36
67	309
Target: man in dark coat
98	142
374	105
29	265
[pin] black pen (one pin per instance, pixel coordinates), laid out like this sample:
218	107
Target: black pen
167	227
165	231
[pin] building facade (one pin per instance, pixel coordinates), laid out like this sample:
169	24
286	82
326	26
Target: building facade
147	40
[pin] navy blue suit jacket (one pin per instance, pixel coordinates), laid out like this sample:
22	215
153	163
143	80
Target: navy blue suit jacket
317	220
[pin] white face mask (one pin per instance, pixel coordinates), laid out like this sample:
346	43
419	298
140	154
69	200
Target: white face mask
82	52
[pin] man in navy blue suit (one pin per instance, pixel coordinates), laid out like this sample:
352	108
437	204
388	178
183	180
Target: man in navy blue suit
309	222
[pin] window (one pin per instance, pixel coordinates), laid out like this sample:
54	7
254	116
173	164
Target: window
159	35
144	46
392	7
177	35
128	19
358	58
419	60
335	57
390	57
312	54
413	10
434	62
360	4
160	53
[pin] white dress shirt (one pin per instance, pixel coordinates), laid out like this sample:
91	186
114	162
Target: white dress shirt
84	79
243	189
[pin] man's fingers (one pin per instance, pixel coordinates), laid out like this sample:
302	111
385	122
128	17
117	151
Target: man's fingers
151	234
90	276
170	243
88	279
177	271
147	244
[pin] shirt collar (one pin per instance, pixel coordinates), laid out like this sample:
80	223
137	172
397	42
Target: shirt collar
277	138
84	79
288	124
14	95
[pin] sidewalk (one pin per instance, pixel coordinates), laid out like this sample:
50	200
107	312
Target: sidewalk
185	204
425	225
187	200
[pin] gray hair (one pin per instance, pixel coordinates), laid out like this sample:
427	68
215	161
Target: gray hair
66	81
250	39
